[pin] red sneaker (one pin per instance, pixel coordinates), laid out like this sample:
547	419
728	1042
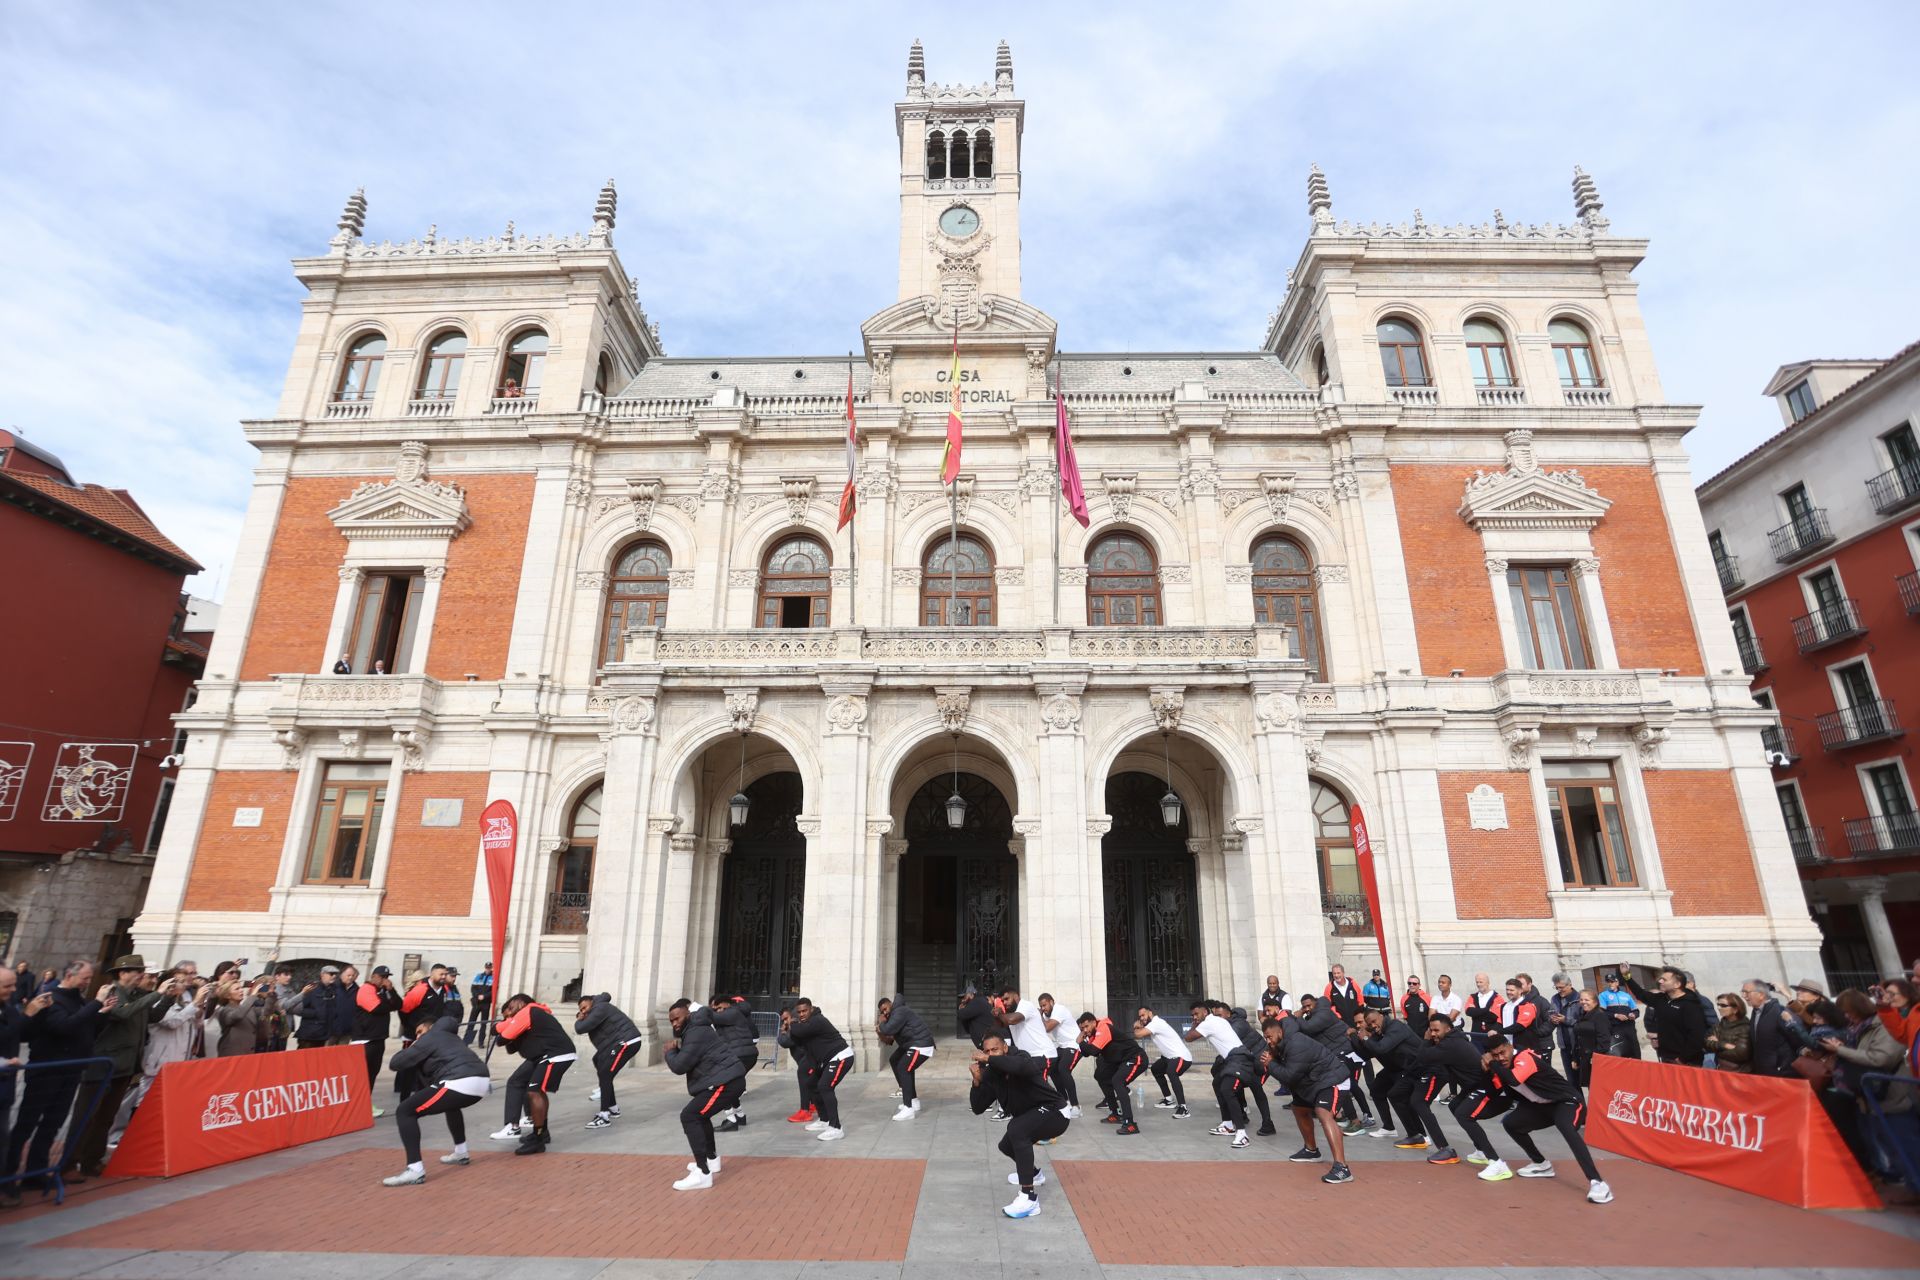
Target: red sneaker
803	1116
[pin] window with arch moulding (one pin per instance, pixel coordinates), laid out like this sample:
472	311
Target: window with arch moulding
440	371
571	897
972	567
795	583
1283	594
525	362
1402	357
360	374
1487	354
1573	354
636	596
1123	583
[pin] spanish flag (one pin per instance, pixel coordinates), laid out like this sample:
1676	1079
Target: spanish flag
950	461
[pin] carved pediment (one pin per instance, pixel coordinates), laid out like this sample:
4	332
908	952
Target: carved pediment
407	506
985	319
1527	496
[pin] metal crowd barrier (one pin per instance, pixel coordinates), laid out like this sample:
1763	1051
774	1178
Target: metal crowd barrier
77	1124
766	1026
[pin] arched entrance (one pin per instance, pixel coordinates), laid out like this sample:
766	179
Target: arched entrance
1151	897
762	892
959	895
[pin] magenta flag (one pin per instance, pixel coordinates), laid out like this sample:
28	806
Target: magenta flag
1063	458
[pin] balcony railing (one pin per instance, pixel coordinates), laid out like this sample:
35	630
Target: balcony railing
1751	657
567	912
1862	722
1888	833
1348	913
1896	488
1416	395
947	646
1779	742
1587	397
1501	395
1909	592
1830	625
1809	845
514	406
337	409
1731	579
1801	536
430	407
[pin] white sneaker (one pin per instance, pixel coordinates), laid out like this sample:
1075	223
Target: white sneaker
815	1126
904	1113
1381	1132
1070	1112
1599	1193
1496	1171
1538	1169
1241	1139
1023	1206
593	1094
1222	1130
454	1157
1478	1157
405	1178
1039	1179
894	1094
695	1181
509	1134
832	1135
916	1104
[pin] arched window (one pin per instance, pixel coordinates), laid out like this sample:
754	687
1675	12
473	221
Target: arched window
1487	354
520	371
361	376
571	896
1401	356
440	374
1342	899
959	162
1283	593
794	584
983	154
1321	376
636	596
936	155
1573	354
1123	583
974	567
602	374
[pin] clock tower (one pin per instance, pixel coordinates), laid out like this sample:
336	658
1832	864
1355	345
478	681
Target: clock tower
959	185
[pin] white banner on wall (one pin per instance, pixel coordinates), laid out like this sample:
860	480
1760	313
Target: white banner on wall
91	781
14	759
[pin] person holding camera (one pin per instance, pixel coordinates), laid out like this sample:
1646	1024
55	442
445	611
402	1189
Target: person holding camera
1016	1083
1676	1021
174	1037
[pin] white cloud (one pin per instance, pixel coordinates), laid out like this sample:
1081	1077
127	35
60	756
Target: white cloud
166	161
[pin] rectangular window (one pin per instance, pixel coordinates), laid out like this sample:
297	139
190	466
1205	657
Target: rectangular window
1799	507
1890	796
1547	614
159	825
1583	802
1800	400
385	618
1825	586
1792	813
346	824
1856	686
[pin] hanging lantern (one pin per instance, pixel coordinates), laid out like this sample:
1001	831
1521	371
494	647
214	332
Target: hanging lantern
738	805
956	810
1169	803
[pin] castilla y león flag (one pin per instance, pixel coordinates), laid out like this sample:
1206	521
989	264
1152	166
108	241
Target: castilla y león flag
499	837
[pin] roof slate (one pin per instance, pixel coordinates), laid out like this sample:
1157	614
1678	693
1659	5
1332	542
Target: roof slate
114	508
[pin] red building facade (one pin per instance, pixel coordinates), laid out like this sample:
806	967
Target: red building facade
1816	535
101	655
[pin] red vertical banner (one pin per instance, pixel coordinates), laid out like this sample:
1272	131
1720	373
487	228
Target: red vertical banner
1370	884
499	838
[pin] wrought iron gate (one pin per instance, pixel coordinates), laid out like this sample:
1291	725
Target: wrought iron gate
986	877
762	898
1149	891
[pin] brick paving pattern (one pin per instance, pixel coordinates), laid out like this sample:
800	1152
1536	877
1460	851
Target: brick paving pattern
1141	1213
767	1208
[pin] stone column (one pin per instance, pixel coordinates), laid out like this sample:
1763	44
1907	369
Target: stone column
893	849
1061	935
554	516
1219	894
878	913
1586	581
1283	865
628	863
1092	955
1872	893
709	873
676	909
835	970
1503	613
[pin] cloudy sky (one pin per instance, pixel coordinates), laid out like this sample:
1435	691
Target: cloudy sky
163	162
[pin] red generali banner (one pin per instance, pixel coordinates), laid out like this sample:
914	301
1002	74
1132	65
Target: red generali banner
1370	885
499	837
214	1110
1753	1133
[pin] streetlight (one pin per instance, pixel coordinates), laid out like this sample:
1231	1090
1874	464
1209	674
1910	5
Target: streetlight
956	804
737	806
1169	803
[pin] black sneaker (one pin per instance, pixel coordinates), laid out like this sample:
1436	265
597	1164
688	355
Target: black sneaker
531	1145
1165	1104
1126	1129
1306	1155
1267	1130
1339	1173
727	1125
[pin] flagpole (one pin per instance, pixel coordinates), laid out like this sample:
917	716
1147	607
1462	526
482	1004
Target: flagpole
853	526
953	553
1059	388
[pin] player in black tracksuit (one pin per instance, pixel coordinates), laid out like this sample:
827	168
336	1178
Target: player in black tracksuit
1017	1083
715	1079
733	1019
978	1017
1250	1039
1544	1099
1319	1020
1389	1042
1118	1063
615	1041
806	1028
452	1078
531	1031
1446	1059
912	1045
1315	1076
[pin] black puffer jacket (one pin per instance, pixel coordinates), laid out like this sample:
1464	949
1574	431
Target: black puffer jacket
1018	1082
1304	1064
544	1037
604	1025
703	1056
1394	1047
440	1055
905	1026
1324	1025
1453	1060
820	1039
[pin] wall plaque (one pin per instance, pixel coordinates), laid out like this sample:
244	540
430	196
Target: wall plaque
440	813
247	817
1486	809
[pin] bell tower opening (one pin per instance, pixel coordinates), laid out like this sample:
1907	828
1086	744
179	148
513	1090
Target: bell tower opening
959	180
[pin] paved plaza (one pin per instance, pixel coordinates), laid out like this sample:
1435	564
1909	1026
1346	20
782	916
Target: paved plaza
918	1199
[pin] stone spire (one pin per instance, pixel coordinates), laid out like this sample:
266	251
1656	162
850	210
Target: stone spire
1319	201
1003	68
353	219
916	71
603	211
1586	201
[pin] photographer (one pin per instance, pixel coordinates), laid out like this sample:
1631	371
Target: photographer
61	1024
318	1007
1675	1019
173	1038
121	1038
236	1009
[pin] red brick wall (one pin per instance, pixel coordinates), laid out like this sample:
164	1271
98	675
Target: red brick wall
431	869
475	617
1703	843
1447	579
1497	875
233	867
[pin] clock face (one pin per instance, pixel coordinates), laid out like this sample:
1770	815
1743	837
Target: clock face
959	221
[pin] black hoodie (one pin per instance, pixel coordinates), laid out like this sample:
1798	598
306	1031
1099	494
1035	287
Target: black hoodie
820	1039
440	1055
905	1026
1018	1082
703	1056
734	1022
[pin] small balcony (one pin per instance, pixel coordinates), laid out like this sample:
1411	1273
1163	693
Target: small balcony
1836	622
1752	660
1888	833
1801	536
1501	397
1780	745
1909	593
1863	722
1896	488
567	912
1348	913
1809	845
514	406
430	407
339	409
1587	397
1731	579
1416	395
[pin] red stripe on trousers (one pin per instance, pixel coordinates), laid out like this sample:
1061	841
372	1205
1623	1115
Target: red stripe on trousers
839	1072
545	1076
619	1056
718	1090
914	1059
1478	1106
422	1108
1134	1070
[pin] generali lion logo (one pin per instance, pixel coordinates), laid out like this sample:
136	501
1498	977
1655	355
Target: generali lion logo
499	832
1620	1107
222	1112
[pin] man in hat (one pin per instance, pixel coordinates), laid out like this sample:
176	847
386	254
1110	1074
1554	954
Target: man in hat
320	1008
121	1038
1808	989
